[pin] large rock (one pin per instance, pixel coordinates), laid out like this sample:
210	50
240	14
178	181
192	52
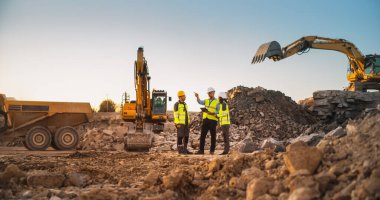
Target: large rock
152	178
77	179
11	171
173	180
247	145
312	139
258	187
338	132
250	173
304	193
300	156
272	143
45	179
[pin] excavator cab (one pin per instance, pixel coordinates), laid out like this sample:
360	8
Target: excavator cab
159	102
372	65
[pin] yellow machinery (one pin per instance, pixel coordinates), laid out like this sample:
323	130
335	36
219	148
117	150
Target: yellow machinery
363	73
44	123
147	114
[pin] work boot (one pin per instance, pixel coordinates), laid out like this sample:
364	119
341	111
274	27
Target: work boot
200	152
181	149
186	150
224	153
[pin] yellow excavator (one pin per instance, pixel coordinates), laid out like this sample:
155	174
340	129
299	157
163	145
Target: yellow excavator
147	115
363	73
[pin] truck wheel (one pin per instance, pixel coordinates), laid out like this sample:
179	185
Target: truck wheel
66	138
37	138
3	121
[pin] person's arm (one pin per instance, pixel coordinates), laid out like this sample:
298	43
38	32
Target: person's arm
201	102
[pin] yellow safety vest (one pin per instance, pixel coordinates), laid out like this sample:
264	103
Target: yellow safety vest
180	111
224	115
211	107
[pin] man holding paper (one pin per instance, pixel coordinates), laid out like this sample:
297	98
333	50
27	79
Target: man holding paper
209	121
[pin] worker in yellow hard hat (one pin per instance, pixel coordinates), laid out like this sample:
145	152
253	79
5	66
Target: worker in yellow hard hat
182	121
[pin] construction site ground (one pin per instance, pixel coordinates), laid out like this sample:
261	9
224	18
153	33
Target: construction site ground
294	151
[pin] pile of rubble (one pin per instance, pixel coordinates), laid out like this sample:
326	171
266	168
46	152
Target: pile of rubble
339	106
268	113
111	139
342	166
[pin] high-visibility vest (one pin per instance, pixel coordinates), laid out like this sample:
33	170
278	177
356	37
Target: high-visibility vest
180	112
224	114
211	107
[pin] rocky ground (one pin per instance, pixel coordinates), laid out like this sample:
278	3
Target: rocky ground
280	150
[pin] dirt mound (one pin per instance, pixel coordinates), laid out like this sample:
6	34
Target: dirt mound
268	113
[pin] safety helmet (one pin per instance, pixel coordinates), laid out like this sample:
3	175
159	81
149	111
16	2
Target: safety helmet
210	89
180	93
222	95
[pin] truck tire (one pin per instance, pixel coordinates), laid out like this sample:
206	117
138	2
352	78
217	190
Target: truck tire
37	138
4	127
65	138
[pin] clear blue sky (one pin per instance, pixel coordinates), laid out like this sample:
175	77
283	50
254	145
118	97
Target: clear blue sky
83	50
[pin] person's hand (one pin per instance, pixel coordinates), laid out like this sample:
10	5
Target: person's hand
177	126
210	113
196	94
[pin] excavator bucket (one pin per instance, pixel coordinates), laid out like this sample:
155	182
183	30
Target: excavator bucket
270	50
139	140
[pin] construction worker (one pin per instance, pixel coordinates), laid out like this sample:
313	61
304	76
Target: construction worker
209	121
182	121
223	114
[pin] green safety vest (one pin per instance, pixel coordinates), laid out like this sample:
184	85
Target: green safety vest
224	114
211	107
181	113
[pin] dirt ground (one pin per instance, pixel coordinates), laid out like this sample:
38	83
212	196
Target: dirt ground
340	164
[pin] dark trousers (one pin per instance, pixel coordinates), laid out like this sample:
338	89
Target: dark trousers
183	135
208	125
226	137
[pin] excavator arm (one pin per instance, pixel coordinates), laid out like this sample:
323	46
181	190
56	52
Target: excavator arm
359	79
273	50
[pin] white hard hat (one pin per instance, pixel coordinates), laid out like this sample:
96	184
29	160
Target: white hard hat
210	89
222	95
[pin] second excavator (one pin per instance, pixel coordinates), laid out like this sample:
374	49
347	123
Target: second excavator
363	73
147	114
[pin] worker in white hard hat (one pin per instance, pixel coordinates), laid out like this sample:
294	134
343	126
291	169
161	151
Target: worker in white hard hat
223	114
210	121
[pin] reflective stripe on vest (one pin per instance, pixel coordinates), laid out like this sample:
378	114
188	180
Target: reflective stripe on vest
211	107
180	114
224	115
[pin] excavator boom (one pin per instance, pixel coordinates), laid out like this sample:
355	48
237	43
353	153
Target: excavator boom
140	133
357	60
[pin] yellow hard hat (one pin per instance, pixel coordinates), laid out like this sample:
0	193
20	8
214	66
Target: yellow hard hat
180	93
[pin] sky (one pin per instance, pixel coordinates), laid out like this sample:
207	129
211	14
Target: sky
84	50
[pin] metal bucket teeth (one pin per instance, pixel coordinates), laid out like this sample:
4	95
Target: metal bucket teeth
268	50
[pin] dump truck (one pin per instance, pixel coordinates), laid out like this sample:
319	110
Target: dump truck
363	72
44	123
146	114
